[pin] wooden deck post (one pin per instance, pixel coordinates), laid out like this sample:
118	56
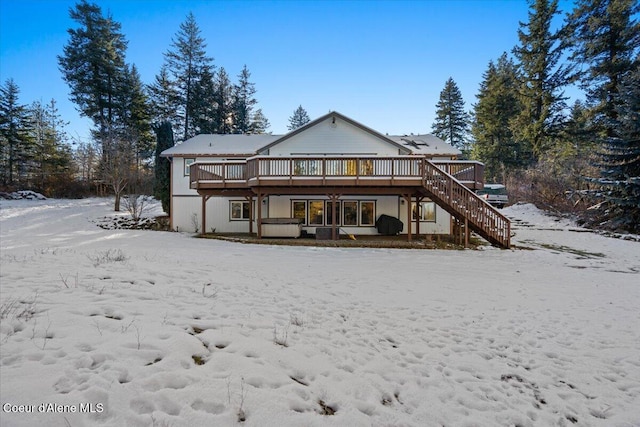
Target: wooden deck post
466	232
259	215
407	198
204	213
250	199
334	220
418	217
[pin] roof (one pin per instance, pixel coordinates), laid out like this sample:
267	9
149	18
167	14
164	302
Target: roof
251	144
220	145
335	115
426	144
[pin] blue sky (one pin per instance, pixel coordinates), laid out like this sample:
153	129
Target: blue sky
381	63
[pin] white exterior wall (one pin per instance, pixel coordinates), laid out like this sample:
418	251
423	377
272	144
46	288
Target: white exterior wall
280	207
338	138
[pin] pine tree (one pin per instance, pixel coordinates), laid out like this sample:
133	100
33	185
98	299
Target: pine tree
452	122
298	119
539	55
136	121
243	102
186	62
223	112
52	172
93	64
163	98
498	105
606	40
204	104
161	186
259	123
17	145
621	157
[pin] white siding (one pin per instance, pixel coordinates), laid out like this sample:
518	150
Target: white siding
218	215
329	138
180	181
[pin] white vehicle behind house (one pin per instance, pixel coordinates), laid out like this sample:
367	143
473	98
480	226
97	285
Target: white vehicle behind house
494	194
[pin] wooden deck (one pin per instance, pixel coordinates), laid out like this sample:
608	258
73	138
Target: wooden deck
448	183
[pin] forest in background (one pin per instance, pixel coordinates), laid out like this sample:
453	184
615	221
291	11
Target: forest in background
582	157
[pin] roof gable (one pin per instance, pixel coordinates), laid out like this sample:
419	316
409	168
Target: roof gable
335	119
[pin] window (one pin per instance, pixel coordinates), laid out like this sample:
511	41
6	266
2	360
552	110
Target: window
329	213
367	213
426	211
316	212
240	210
350	213
187	164
299	209
366	167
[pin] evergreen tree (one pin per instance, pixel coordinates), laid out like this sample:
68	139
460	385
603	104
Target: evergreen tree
162	183
259	123
52	160
605	40
163	98
452	122
298	119
187	61
17	145
223	112
621	157
93	64
136	121
498	105
539	55
243	102
205	104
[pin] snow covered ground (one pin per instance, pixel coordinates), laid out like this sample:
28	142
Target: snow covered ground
144	328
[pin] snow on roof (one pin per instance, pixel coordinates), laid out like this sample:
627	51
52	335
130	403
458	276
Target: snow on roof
218	144
426	144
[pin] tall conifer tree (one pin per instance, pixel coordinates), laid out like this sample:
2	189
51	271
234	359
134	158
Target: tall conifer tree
543	78
243	102
186	62
452	121
93	64
162	184
17	145
497	106
605	42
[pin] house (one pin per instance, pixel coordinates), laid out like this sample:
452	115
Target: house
331	174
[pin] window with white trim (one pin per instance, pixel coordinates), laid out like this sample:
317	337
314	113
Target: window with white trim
299	210
187	166
425	211
367	213
239	210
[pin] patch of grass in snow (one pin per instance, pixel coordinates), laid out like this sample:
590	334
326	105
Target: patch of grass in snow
198	360
326	409
14	308
567	249
107	257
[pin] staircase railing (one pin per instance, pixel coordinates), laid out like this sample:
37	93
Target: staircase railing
464	204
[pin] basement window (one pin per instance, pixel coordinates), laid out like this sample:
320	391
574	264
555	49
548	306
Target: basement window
240	210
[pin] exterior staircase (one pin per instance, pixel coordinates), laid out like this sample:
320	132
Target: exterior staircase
465	205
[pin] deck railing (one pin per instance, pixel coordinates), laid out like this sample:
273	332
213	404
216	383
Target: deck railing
333	167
